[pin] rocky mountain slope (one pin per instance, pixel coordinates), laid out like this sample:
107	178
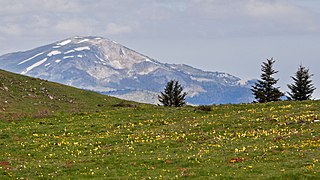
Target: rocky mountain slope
102	65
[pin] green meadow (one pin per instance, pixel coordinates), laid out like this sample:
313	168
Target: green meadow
51	131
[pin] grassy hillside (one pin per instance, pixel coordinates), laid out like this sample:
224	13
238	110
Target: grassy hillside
108	139
23	96
257	141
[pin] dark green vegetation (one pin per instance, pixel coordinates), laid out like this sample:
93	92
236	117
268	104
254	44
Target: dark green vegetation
173	95
302	88
279	140
264	90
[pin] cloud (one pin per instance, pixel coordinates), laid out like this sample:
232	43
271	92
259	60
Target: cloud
38	6
156	19
11	30
73	26
116	29
281	15
254	18
12	7
68	6
277	11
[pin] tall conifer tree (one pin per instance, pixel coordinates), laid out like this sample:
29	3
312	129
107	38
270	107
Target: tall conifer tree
302	87
173	95
264	90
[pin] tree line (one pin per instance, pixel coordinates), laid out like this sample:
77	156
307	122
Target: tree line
264	90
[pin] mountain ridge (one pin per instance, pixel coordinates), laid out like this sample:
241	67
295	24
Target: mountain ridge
105	66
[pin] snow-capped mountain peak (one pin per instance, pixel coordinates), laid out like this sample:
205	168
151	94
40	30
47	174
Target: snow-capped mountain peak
100	64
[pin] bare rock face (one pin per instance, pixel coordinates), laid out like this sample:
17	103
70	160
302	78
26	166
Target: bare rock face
102	65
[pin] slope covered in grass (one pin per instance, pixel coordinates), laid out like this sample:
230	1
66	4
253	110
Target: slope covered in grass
257	141
23	96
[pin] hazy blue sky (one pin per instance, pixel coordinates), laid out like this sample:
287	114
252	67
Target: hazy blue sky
233	36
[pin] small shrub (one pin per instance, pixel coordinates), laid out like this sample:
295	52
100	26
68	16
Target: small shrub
204	108
124	104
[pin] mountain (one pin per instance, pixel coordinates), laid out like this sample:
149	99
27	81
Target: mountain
102	65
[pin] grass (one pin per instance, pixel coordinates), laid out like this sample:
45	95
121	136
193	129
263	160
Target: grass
278	140
23	96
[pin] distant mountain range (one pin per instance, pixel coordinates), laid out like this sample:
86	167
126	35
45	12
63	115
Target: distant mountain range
102	65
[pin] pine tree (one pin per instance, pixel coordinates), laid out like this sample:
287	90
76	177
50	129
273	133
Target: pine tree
172	95
264	90
302	88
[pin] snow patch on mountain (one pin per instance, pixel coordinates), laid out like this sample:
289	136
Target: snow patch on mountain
225	75
154	62
34	65
31	58
52	53
82	41
70	51
201	79
66	57
102	60
243	82
63	43
82	48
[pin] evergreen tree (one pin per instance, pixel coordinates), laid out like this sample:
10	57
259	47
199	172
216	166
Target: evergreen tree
173	95
302	88
264	90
